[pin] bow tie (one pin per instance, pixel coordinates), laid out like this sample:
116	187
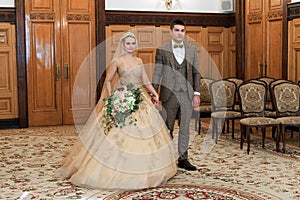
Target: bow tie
176	46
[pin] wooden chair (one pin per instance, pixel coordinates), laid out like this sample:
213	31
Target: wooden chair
204	110
286	97
238	82
223	93
268	81
252	96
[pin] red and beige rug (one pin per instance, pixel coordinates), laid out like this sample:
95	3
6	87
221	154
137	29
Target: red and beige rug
190	192
29	158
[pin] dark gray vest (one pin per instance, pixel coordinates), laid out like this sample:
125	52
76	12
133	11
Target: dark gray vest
180	82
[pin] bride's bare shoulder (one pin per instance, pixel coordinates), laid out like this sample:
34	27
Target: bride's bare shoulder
139	60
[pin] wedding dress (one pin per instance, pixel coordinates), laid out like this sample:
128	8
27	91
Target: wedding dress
132	157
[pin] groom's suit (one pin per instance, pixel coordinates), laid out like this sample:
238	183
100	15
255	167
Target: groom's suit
178	82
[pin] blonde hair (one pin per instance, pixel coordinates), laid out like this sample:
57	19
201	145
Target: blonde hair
120	50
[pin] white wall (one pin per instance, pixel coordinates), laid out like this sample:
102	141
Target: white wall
7	3
295	1
196	6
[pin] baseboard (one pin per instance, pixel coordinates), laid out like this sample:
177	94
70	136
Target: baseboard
9	123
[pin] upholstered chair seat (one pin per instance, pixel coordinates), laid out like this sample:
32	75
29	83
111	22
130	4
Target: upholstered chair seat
205	107
226	114
258	121
289	120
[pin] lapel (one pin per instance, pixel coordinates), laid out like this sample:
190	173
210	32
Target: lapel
187	52
170	55
188	58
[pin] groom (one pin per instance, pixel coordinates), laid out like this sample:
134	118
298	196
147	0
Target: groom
177	73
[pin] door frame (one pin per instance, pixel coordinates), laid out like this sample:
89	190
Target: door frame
21	63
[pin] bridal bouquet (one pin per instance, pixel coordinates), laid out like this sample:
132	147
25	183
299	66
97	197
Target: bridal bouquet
123	101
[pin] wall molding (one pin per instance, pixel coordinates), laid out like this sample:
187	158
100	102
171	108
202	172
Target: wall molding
293	11
9	123
158	19
8	15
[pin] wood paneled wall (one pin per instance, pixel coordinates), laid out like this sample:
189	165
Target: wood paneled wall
294	42
8	71
103	18
216	45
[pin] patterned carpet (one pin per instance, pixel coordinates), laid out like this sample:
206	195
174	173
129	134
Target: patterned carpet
29	158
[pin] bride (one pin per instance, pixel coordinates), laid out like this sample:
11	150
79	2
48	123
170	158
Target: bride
139	153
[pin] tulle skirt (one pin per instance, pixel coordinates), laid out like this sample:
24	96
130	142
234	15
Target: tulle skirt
133	157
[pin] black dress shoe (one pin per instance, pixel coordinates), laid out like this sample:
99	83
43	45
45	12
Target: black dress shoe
185	164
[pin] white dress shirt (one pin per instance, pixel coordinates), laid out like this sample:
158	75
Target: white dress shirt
179	53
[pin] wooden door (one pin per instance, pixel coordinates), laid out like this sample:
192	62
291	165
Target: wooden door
59	35
263	36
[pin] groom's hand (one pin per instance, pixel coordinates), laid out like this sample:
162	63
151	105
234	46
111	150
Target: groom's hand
155	100
196	101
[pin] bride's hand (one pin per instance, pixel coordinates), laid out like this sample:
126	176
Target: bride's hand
155	99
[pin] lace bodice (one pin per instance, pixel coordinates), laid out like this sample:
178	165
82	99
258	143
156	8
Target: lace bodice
130	74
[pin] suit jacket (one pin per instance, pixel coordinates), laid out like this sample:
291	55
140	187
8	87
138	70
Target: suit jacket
165	72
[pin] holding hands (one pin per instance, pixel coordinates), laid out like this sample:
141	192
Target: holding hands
155	99
196	101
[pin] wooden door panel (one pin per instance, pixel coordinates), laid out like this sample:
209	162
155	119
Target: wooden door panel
8	71
294	51
255	6
44	92
113	34
275	4
147	44
274	54
232	53
79	77
148	56
146	36
254	51
78	6
41	6
164	35
215	48
296	72
77	47
194	35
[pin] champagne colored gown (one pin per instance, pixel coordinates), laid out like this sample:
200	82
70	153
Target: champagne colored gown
133	157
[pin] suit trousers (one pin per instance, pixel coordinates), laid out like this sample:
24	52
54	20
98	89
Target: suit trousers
179	103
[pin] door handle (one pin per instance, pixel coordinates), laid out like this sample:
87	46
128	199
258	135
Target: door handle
264	68
66	71
260	68
2	38
58	72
